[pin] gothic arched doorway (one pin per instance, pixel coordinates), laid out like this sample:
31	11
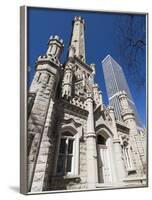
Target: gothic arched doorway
104	161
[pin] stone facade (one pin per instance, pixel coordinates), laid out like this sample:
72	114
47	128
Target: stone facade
74	140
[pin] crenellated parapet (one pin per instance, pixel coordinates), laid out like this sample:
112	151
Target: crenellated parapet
78	18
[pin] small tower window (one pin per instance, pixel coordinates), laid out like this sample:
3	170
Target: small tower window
101	140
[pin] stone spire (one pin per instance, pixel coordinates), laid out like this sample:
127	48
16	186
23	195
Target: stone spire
77	39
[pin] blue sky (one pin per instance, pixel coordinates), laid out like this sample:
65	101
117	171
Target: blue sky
100	40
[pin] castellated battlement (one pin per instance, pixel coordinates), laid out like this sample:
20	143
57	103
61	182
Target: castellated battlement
78	18
57	39
47	58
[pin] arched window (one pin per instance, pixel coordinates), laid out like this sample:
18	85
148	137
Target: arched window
66	154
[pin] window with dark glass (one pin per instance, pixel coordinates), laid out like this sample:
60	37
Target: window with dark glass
101	140
65	156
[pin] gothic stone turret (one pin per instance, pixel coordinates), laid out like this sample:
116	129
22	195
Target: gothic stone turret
44	87
134	137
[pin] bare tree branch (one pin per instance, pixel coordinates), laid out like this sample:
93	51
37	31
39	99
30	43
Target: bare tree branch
131	34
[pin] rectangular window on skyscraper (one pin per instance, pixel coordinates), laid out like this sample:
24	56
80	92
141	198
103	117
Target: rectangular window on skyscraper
83	100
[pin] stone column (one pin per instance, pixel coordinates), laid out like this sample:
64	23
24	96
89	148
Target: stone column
91	146
119	163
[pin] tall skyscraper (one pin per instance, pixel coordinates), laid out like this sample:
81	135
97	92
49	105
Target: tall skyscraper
115	82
